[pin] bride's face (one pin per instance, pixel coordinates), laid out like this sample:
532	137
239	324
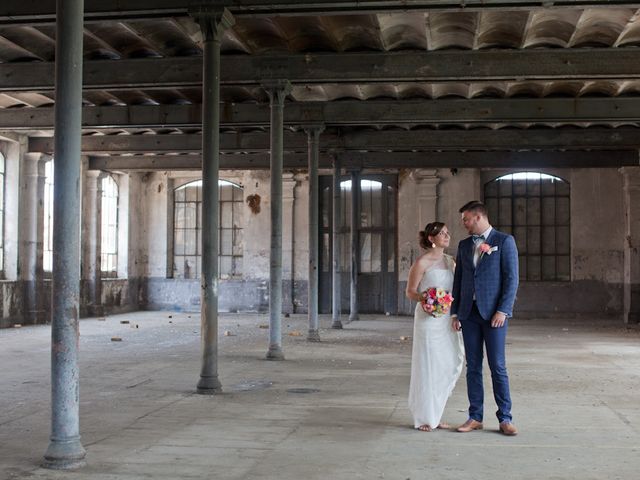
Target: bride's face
442	239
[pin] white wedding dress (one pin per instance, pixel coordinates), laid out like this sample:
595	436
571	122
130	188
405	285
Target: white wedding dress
438	353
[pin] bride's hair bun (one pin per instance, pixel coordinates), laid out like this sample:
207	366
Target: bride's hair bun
431	230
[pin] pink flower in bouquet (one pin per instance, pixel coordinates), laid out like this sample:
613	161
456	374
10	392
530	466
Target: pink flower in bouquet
436	301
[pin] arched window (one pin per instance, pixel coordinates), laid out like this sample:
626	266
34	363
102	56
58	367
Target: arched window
187	246
2	170
47	253
109	227
536	209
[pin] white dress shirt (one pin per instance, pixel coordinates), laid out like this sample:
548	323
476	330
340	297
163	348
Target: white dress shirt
476	246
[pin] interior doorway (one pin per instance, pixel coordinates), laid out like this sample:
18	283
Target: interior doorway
377	257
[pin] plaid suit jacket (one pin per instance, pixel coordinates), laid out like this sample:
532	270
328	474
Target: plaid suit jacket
493	281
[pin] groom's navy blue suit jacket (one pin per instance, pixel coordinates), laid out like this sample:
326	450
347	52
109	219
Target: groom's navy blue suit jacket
494	280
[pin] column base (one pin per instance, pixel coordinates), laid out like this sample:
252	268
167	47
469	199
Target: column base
64	455
209	386
337	324
354	316
95	310
275	353
313	336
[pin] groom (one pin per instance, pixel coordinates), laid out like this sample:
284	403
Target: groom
484	290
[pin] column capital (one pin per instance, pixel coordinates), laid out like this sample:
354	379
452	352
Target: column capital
213	21
313	130
424	175
277	90
93	173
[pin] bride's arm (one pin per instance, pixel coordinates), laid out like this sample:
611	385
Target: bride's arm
415	275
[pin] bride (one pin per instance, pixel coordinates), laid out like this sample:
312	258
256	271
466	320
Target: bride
438	353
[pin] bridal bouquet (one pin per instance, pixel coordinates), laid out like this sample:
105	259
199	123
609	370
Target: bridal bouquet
436	301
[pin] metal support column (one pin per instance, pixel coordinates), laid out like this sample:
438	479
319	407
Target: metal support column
92	217
213	22
337	222
314	219
28	236
355	242
277	90
65	450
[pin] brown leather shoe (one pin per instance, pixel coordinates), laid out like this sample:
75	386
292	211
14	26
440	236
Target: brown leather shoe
469	426
508	429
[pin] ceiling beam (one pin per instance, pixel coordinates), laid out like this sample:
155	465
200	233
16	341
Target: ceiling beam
546	110
439	66
43	11
624	138
592	159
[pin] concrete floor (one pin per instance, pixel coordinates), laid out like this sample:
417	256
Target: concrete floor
575	387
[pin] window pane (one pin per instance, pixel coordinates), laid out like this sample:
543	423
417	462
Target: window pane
563	211
563	238
519	188
365	252
326	254
533	240
505	210
505	188
548	211
192	194
533	268
391	252
533	211
549	240
226	242
520	211
226	215
376	252
548	188
533	187
190	242
376	206
226	193
548	268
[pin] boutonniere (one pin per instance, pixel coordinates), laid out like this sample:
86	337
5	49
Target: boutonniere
488	249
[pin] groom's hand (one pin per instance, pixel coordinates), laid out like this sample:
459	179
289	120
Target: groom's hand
498	319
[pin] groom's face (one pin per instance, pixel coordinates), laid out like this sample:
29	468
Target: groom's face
470	222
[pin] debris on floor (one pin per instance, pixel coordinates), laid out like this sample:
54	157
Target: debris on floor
227	333
263	325
124	322
17	325
295	333
116	339
405	339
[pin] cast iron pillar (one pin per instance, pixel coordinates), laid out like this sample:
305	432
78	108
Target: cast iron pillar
91	261
313	137
355	242
213	22
65	449
278	91
337	223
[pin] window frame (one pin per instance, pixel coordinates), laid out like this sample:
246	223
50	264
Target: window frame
561	196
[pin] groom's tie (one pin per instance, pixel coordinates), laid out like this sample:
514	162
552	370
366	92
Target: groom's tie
477	240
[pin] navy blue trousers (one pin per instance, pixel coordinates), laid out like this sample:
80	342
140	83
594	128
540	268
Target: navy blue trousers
477	333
